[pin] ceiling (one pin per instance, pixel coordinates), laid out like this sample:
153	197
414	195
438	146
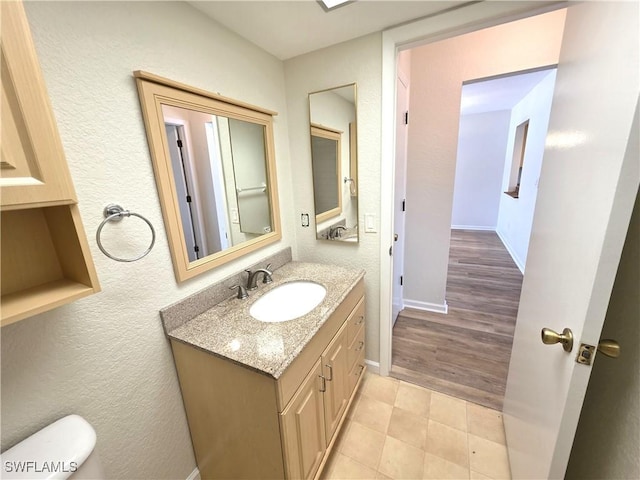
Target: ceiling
290	28
499	93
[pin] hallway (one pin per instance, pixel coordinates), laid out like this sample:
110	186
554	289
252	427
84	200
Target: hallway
466	352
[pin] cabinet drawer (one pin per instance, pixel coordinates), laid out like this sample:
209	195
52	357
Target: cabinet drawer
356	349
357	371
355	321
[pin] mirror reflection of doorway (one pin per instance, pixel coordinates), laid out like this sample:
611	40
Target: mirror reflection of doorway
184	188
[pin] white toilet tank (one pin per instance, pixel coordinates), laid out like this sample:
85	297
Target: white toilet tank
64	449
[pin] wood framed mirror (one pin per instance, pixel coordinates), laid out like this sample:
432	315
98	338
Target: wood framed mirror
326	148
334	160
214	163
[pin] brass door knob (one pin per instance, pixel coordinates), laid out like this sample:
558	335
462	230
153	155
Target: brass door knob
549	337
610	348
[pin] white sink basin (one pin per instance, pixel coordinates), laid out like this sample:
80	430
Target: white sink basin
288	301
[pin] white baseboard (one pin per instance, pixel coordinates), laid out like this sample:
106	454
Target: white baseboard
372	366
426	306
519	263
473	227
195	475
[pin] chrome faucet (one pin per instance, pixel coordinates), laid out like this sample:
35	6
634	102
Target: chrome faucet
242	292
252	279
335	232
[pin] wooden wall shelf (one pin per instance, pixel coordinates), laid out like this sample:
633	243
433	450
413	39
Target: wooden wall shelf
46	261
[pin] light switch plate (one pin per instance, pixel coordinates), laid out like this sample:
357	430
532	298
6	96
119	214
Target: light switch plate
234	215
370	223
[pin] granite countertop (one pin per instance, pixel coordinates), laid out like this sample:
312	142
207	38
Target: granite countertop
229	331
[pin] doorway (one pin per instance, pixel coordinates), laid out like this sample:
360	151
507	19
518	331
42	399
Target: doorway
577	238
182	171
459	169
465	352
462	21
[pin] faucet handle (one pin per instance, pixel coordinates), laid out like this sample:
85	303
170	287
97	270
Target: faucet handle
266	278
242	292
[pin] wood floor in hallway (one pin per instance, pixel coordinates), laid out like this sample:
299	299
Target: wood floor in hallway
466	352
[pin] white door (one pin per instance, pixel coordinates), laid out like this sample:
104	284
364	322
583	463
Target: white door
588	184
402	112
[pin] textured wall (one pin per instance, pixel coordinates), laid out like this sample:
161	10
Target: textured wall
482	144
105	357
355	61
437	72
516	215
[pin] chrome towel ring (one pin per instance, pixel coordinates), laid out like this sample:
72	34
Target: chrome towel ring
115	213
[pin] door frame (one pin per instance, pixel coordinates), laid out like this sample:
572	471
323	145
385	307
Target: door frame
217	169
456	21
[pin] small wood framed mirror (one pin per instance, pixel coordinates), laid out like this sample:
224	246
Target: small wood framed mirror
334	163
214	164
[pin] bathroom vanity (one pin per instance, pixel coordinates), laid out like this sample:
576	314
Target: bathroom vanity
267	400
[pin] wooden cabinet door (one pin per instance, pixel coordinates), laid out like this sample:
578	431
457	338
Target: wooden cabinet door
33	169
304	438
336	372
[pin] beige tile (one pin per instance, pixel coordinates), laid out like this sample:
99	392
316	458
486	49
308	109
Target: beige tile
440	469
448	410
345	467
489	458
413	399
448	443
408	427
363	445
485	422
372	413
383	389
479	476
400	460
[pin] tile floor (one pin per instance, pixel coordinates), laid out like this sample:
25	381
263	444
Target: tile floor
401	431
